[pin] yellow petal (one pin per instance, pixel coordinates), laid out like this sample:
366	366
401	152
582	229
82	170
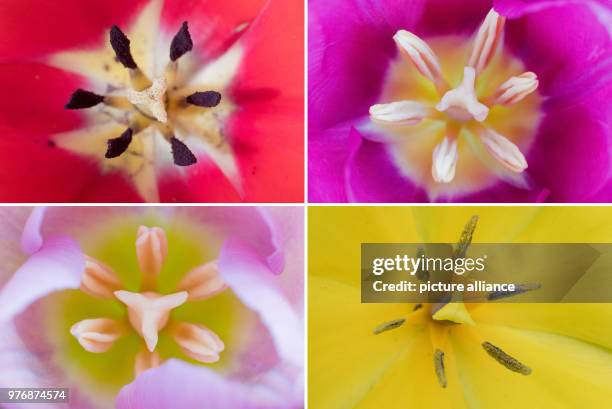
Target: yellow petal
410	381
345	358
566	373
336	234
587	322
495	224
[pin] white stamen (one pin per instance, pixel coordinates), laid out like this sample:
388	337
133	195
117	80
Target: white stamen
152	99
507	153
399	113
97	335
421	55
149	312
444	160
203	282
461	103
487	40
515	89
198	342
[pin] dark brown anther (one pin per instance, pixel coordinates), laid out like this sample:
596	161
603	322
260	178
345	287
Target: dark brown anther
81	99
181	153
117	146
207	99
121	46
181	43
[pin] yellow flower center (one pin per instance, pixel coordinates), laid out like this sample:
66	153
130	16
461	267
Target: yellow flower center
440	319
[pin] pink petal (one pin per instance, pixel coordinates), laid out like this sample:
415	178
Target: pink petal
251	224
288	232
12	220
57	265
31	239
177	384
251	280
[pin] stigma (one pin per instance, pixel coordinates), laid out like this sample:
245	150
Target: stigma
471	106
149	312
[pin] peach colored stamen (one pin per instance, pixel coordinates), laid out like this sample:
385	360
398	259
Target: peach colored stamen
148	311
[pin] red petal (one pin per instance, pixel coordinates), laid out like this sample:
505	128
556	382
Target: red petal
205	184
212	23
35	95
268	132
38	27
33	170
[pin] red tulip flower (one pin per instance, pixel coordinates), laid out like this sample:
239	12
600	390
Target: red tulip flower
122	101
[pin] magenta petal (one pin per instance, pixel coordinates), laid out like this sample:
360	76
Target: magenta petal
441	17
327	156
371	176
57	265
570	166
518	8
177	384
567	47
350	46
251	280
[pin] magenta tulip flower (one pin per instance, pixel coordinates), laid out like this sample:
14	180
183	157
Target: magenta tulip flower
154	307
447	100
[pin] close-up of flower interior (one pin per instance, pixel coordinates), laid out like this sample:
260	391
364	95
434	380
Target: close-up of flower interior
153	101
306	204
109	302
452	101
458	353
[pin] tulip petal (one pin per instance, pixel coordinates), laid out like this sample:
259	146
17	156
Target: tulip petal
350	46
31	238
38	91
518	8
57	265
182	385
50	28
588	323
562	369
566	47
327	156
11	250
268	130
251	280
213	24
346	372
372	177
581	165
